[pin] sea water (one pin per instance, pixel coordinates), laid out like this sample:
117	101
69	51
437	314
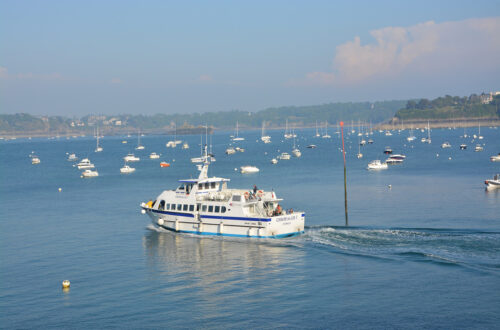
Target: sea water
422	249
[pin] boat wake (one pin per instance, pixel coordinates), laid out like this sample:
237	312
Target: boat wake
467	248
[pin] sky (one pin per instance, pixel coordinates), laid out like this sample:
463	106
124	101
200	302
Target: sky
74	58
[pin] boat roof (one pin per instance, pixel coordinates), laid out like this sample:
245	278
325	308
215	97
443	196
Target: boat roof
213	179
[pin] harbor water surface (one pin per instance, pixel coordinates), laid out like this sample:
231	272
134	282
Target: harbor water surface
422	249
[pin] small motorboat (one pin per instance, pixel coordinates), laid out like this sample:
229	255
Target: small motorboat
84	164
127	169
387	150
311	146
377	165
35	160
446	145
493	183
131	158
478	148
72	158
284	156
164	164
230	151
274	161
370	141
239	149
296	152
463	146
154	155
89	174
249	169
185	145
495	158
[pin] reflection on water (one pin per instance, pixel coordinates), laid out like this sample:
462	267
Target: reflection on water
219	266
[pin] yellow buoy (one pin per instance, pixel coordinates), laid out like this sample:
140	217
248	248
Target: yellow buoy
65	284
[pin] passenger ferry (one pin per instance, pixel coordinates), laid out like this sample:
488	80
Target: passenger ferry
206	206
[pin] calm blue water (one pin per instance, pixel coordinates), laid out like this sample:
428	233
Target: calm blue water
424	254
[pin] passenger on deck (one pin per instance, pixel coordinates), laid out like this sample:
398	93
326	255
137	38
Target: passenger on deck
255	189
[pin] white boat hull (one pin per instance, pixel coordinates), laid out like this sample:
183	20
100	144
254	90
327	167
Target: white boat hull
272	227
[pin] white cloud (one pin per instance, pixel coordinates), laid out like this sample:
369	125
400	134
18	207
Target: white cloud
429	47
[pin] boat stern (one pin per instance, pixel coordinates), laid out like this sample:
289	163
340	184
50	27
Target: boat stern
286	225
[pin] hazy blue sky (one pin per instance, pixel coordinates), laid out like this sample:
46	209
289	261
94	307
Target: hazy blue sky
110	57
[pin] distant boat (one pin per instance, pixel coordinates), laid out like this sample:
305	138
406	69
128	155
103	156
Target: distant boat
274	161
263	137
236	137
478	148
185	145
311	146
284	156
164	164
446	145
131	158
89	174
295	151
98	148
72	157
463	146
495	158
127	169
326	136
317	134
493	183
84	164
248	169
139	145
377	165
411	136
395	159
35	160
230	151
388	150
154	155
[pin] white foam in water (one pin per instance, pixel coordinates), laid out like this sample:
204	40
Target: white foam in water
467	248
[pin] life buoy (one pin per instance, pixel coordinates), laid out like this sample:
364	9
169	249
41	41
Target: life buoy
246	194
260	193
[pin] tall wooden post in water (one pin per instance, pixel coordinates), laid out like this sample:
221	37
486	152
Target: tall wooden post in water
345	175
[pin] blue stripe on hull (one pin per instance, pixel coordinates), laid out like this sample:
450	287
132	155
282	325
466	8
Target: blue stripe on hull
189	215
297	233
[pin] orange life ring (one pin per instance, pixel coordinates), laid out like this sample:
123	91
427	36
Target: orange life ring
246	194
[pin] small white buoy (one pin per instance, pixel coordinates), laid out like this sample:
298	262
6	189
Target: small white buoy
60	189
390	186
143	211
65	284
449	158
160	222
236	169
437	155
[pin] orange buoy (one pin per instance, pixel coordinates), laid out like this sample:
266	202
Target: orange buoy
164	164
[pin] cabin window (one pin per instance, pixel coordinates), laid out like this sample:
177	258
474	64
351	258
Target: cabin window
168	207
185	208
181	187
200	186
191	208
213	185
179	207
162	205
217	209
236	198
207	185
223	209
210	208
203	208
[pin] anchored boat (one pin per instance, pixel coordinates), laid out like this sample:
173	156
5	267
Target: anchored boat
206	206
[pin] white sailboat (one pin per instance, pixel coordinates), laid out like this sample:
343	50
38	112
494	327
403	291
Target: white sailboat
98	148
264	138
236	137
326	136
295	151
287	134
317	134
139	145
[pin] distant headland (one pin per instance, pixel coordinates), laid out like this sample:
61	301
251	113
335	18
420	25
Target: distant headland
446	111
